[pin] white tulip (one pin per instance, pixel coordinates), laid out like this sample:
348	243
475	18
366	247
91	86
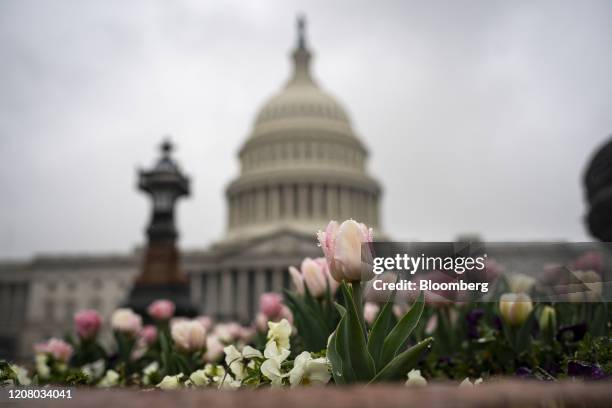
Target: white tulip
126	321
415	379
307	370
189	335
520	283
515	307
342	248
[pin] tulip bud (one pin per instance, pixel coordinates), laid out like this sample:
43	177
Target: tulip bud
515	308
342	248
126	321
313	274
548	322
189	336
270	304
87	323
161	309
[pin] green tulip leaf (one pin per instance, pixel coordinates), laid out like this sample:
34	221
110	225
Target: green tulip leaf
400	333
361	360
404	362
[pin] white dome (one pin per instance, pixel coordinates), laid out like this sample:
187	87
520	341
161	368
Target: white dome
302	164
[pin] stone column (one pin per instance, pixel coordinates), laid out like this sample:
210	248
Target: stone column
242	307
274	203
317	201
302	201
260	205
277	279
289	206
260	284
345	204
212	298
195	290
226	294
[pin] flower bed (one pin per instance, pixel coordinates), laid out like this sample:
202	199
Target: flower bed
324	333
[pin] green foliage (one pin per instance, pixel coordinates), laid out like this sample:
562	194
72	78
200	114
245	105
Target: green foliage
315	319
358	356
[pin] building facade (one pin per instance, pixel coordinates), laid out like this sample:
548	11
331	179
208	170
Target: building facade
301	166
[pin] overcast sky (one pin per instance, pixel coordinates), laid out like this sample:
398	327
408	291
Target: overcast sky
480	116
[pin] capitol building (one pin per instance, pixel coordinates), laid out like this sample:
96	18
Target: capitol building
301	165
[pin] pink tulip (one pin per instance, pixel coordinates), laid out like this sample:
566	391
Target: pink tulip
270	304
314	273
149	334
342	248
59	349
87	323
161	309
126	321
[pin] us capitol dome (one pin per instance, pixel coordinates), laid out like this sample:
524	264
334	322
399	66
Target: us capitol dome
302	164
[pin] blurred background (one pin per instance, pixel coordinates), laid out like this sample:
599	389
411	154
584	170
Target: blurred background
475	118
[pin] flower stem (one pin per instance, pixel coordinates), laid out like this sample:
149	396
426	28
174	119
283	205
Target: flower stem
357	297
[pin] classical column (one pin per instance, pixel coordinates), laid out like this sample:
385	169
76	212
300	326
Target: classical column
260	205
289	206
226	294
195	290
345	204
302	201
274	203
212	298
317	201
330	195
260	283
277	279
242	307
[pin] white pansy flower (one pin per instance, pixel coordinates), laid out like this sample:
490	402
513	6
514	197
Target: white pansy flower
110	379
415	379
249	352
171	382
272	351
22	375
199	378
94	370
279	333
42	368
271	369
148	371
229	383
233	359
307	370
214	372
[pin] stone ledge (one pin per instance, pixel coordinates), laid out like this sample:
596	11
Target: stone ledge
499	394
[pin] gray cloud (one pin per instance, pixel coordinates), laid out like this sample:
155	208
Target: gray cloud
480	116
